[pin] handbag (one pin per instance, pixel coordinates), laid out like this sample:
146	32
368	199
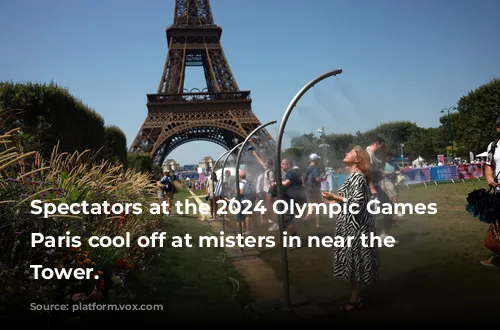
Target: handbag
273	191
479	204
492	239
484	204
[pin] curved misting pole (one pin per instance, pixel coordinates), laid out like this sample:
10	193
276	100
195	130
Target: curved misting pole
222	180
240	152
279	186
214	205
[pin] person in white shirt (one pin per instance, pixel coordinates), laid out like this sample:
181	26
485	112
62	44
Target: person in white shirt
493	162
491	172
268	177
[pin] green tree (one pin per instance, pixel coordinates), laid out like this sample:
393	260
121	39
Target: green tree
340	144
305	142
424	142
477	113
393	133
116	144
143	163
48	114
294	154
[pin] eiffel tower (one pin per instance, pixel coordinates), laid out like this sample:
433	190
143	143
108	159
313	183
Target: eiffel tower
221	113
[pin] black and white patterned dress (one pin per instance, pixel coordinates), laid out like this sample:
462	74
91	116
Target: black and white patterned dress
356	263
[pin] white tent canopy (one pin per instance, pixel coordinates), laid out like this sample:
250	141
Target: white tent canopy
484	154
418	161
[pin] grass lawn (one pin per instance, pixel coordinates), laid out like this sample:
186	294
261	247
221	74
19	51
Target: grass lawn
434	271
195	285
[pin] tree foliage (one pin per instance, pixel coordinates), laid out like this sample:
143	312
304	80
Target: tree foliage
477	113
143	163
116	144
49	115
471	128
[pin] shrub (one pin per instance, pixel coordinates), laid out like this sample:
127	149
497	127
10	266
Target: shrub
67	178
48	115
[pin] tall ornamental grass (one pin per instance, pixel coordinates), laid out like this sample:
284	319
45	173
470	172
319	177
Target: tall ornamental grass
68	178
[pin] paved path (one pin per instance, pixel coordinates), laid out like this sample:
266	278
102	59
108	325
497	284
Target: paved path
266	288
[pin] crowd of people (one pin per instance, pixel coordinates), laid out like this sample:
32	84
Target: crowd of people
369	176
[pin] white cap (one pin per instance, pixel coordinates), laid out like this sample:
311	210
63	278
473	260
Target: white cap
295	167
314	157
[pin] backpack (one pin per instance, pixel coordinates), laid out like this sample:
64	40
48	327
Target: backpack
260	183
168	185
309	178
249	191
267	175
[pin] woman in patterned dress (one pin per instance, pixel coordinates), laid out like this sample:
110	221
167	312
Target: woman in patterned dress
356	263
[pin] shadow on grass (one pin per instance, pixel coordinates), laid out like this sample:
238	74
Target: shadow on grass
192	281
433	273
192	285
420	295
402	239
407	238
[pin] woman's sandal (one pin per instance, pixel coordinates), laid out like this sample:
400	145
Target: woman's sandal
350	306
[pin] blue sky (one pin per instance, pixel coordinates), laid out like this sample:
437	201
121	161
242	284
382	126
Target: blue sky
402	60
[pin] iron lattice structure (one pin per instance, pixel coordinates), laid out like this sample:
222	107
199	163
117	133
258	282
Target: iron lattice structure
221	113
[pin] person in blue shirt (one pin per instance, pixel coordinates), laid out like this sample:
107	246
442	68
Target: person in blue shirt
390	172
167	188
312	181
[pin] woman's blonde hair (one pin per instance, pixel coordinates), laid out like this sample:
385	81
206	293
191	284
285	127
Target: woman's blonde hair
364	163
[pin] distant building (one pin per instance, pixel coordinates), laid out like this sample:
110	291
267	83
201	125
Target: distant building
206	163
171	165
